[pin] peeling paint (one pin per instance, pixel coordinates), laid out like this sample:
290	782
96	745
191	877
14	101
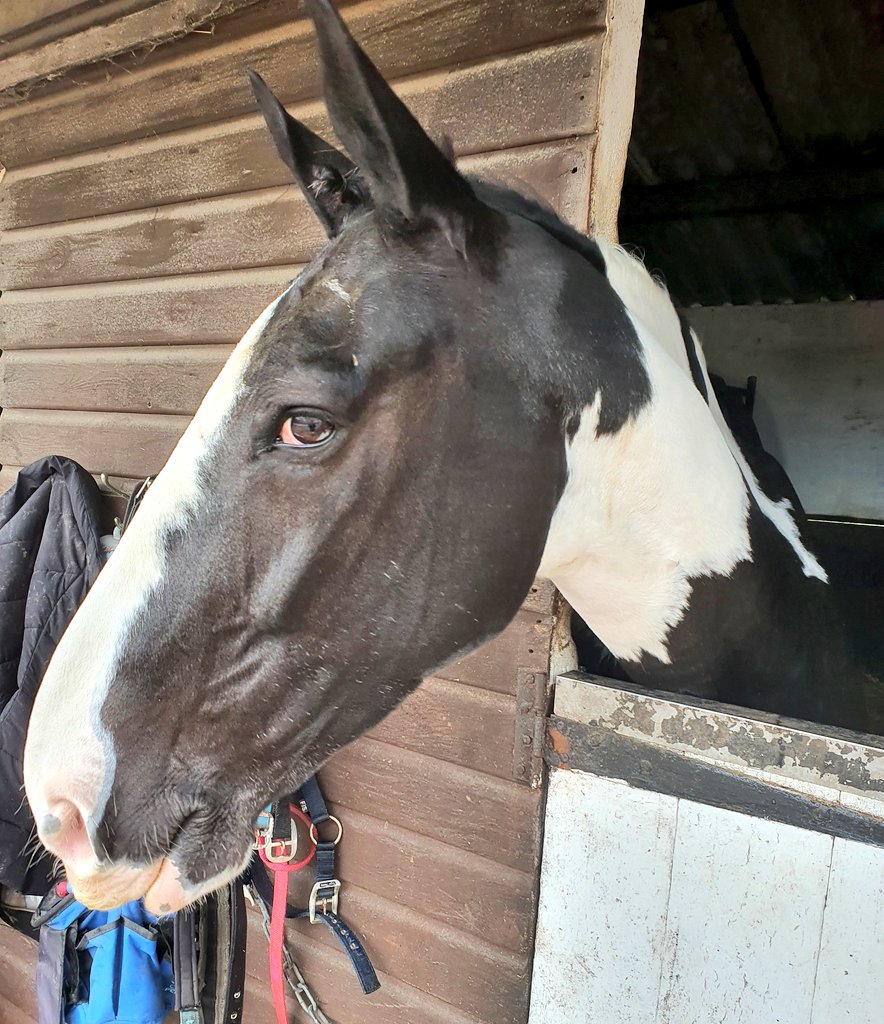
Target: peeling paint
729	736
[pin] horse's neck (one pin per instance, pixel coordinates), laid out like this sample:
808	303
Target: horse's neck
660	504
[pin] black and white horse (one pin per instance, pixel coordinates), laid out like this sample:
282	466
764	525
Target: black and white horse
460	392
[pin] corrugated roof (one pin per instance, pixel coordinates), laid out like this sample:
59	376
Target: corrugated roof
755	170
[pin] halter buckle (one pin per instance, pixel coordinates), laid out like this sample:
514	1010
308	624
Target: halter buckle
266	844
324	898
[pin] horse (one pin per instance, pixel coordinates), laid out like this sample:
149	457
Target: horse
459	393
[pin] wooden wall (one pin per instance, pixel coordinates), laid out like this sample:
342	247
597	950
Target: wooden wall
146	221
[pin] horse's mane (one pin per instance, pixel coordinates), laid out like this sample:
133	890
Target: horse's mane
507	200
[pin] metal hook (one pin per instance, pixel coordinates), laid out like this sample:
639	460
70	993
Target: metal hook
106	487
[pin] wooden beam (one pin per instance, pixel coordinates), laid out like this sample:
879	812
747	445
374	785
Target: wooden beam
616	101
18	15
718	197
161	22
404	37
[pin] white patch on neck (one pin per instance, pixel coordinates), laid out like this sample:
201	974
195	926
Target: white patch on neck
659	503
66	739
334	285
778	512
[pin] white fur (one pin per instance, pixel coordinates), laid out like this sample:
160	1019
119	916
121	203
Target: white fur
660	503
68	750
334	285
778	512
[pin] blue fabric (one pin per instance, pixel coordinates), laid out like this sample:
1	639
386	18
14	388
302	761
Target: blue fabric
123	979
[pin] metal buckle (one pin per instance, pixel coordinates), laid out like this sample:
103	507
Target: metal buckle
264	841
327	900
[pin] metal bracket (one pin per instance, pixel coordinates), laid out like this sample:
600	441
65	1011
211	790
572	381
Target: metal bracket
533	699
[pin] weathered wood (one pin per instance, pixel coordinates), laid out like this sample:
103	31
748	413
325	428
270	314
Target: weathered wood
680	725
763	891
203	308
80	45
331	979
453	885
615	102
524	644
16	16
119	443
849	982
113	502
272	226
7	477
452	965
144	380
18	957
215	307
604	894
481	108
644	765
402	36
267	228
475	812
452	722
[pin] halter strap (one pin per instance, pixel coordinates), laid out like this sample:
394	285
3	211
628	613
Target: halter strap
324	896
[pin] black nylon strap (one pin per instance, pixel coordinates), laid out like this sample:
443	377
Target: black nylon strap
314	801
184	961
236	955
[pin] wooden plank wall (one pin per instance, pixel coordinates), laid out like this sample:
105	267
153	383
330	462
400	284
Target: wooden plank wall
146	221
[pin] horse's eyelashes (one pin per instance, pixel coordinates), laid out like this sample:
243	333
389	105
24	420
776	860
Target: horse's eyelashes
305	428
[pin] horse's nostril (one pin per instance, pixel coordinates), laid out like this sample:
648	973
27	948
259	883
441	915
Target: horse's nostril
64	833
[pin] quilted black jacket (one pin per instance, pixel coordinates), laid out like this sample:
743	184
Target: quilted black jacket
50	554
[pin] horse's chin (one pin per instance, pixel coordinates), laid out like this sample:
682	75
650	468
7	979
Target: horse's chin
166	894
159	884
112	887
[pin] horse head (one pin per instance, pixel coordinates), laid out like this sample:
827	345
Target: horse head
364	495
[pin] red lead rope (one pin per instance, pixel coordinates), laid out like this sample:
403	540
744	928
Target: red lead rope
281	871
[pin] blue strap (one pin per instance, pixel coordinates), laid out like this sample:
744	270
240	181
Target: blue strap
348	939
362	966
314	801
325	861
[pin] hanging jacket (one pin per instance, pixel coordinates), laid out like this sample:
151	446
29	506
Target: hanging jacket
50	554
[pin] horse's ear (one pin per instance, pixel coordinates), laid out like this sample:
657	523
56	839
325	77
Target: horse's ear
326	176
410	179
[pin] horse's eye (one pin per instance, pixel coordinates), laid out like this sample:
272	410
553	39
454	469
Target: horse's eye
305	430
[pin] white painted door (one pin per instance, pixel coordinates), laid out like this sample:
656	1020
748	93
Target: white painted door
658	909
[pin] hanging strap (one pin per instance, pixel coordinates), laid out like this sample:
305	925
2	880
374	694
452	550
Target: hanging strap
327	887
56	953
236	960
324	896
184	960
